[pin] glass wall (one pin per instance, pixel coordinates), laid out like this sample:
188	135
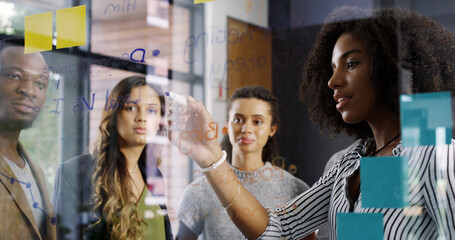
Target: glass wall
207	51
126	38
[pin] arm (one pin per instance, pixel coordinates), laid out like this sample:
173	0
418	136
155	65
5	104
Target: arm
205	151
301	187
246	211
185	233
304	214
310	237
298	218
190	214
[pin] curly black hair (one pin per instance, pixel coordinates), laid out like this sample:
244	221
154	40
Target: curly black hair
397	41
270	149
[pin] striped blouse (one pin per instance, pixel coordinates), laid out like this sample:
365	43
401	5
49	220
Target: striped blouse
431	186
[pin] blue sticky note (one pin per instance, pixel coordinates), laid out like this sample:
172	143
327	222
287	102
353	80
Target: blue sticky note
360	226
426	119
383	182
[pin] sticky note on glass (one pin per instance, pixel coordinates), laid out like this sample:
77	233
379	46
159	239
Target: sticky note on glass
71	27
426	119
360	226
202	1
384	182
38	32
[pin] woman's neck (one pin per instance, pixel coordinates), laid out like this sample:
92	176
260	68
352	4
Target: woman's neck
247	161
384	130
132	155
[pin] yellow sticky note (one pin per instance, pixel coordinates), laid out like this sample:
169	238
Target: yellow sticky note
202	1
71	27
38	32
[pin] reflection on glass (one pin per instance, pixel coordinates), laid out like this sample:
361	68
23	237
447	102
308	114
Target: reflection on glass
158	13
426	119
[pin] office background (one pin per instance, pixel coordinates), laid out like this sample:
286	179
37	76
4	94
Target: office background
203	50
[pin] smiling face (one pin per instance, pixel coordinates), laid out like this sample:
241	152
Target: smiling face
23	87
138	122
354	95
250	125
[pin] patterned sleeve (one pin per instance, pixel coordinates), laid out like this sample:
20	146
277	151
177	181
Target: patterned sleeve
305	213
439	189
190	210
300	186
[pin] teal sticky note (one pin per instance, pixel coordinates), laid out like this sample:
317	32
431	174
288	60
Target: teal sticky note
383	182
426	119
360	226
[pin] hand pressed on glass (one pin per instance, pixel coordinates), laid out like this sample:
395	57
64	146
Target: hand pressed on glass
193	132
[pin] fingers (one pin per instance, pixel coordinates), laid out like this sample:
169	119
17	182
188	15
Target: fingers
177	108
177	119
179	115
174	129
191	105
191	126
199	109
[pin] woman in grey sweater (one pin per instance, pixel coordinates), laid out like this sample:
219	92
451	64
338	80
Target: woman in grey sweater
250	146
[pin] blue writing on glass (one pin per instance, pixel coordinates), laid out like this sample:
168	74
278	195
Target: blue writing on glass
120	101
239	64
56	107
117	7
156	52
143	55
82	104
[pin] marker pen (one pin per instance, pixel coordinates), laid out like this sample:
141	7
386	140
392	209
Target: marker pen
177	98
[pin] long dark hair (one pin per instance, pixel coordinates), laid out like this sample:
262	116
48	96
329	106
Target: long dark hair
112	192
270	149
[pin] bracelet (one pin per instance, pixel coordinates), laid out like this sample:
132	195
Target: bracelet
236	195
215	164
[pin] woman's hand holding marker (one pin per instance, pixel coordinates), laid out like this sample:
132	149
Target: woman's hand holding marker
188	116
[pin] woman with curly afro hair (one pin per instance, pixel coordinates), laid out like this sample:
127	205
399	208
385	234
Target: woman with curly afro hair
359	65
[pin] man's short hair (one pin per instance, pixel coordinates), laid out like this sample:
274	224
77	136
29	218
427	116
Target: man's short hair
11	41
